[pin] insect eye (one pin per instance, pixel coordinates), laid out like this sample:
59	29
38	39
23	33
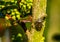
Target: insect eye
44	18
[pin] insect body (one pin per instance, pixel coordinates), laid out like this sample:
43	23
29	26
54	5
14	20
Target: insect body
39	21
